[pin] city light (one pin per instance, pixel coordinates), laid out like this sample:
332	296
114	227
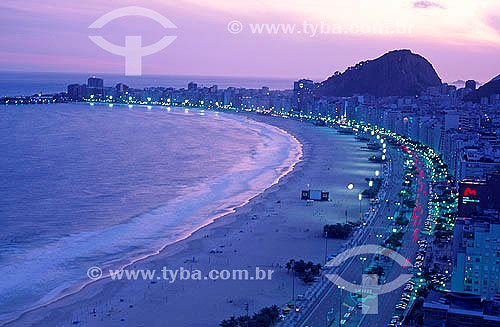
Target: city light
426	142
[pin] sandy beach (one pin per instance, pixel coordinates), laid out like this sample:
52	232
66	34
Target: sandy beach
273	228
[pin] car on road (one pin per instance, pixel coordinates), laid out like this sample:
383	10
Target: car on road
408	287
401	306
332	256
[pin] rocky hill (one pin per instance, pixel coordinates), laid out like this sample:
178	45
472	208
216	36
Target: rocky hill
487	90
399	73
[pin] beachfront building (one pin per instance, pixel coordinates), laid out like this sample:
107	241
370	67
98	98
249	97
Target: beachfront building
464	134
476	162
77	92
95	86
455	309
476	257
304	94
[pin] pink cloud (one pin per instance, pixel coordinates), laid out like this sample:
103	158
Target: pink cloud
424	4
57	40
494	22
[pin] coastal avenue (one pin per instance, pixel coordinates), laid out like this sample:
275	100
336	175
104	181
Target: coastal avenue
327	304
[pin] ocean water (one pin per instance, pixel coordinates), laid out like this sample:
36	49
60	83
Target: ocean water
19	83
84	186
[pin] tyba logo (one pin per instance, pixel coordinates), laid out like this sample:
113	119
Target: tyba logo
133	51
369	290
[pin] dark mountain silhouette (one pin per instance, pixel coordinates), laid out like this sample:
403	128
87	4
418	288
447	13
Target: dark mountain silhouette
398	73
486	90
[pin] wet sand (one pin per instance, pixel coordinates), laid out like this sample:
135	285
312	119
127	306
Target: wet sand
273	228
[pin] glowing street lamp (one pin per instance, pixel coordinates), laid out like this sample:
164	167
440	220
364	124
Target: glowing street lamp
377	173
360	198
340	302
370	183
350	187
363	259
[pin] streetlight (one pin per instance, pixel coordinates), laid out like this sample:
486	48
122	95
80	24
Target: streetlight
350	187
377	172
363	259
360	198
340	302
328	317
370	183
326	247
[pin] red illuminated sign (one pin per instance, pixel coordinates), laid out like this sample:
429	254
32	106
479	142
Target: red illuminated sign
468	191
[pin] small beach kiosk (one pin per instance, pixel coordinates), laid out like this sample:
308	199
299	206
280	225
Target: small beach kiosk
315	195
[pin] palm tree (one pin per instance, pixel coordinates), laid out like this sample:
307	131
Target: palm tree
229	323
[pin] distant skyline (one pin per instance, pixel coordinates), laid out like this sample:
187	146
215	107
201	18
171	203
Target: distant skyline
460	38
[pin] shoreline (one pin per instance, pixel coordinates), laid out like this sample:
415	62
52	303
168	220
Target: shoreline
107	289
74	290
